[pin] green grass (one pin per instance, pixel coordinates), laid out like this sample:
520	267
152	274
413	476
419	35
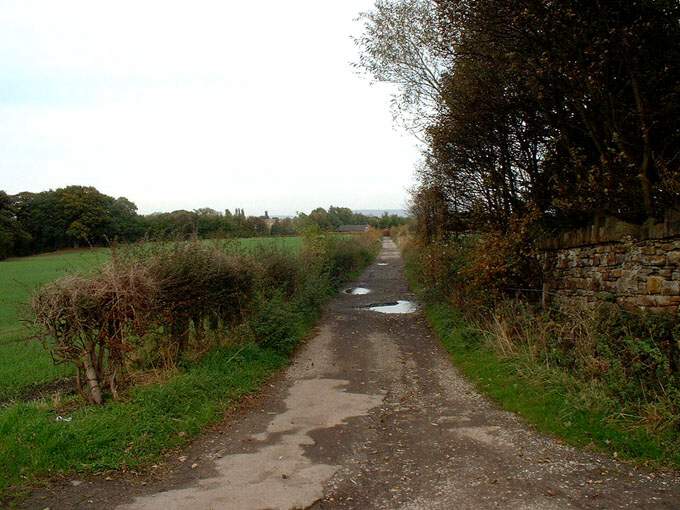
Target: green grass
286	243
24	363
133	432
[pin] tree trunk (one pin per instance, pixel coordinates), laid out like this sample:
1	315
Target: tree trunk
645	165
112	384
92	376
180	335
646	186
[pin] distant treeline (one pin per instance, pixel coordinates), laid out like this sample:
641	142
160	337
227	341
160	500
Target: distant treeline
77	216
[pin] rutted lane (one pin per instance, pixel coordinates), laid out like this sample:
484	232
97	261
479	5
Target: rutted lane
371	415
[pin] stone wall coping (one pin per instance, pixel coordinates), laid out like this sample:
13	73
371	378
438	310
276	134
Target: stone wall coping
609	230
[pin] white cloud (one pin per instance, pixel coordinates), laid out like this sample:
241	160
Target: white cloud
186	104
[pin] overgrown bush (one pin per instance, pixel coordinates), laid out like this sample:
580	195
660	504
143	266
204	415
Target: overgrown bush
501	264
279	270
347	255
201	287
439	266
94	321
476	270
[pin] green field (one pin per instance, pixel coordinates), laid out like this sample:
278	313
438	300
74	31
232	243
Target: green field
24	363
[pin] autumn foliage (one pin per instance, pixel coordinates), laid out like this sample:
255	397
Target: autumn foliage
536	115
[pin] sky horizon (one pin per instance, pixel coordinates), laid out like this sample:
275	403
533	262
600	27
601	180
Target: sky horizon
253	106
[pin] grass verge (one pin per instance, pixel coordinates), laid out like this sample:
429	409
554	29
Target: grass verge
550	399
127	434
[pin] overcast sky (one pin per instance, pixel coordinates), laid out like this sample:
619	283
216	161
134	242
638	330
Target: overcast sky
183	104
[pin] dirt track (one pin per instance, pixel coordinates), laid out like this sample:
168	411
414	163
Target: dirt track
371	415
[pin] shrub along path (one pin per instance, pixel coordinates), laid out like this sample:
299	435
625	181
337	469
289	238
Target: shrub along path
372	415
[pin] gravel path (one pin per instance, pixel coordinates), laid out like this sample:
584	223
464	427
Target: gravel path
371	415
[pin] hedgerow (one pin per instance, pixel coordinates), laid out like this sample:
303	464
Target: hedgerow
157	304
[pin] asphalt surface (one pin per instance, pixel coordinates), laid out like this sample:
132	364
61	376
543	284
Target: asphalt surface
372	415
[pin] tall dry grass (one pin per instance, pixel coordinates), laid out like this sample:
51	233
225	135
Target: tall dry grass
632	359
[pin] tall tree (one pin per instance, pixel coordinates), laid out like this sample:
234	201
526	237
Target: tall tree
12	234
602	77
401	44
567	108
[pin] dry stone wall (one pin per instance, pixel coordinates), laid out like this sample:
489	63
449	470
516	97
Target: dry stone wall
635	273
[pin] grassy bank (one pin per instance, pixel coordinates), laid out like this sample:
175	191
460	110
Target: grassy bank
38	441
590	412
165	407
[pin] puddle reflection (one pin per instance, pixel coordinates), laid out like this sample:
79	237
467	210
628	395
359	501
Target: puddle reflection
357	291
394	307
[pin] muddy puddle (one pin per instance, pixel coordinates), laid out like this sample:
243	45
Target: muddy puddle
393	307
383	264
357	291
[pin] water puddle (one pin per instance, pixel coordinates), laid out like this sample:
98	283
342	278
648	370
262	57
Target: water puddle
357	291
383	264
393	307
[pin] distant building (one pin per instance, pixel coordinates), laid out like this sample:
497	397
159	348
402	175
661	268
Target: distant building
269	223
353	229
